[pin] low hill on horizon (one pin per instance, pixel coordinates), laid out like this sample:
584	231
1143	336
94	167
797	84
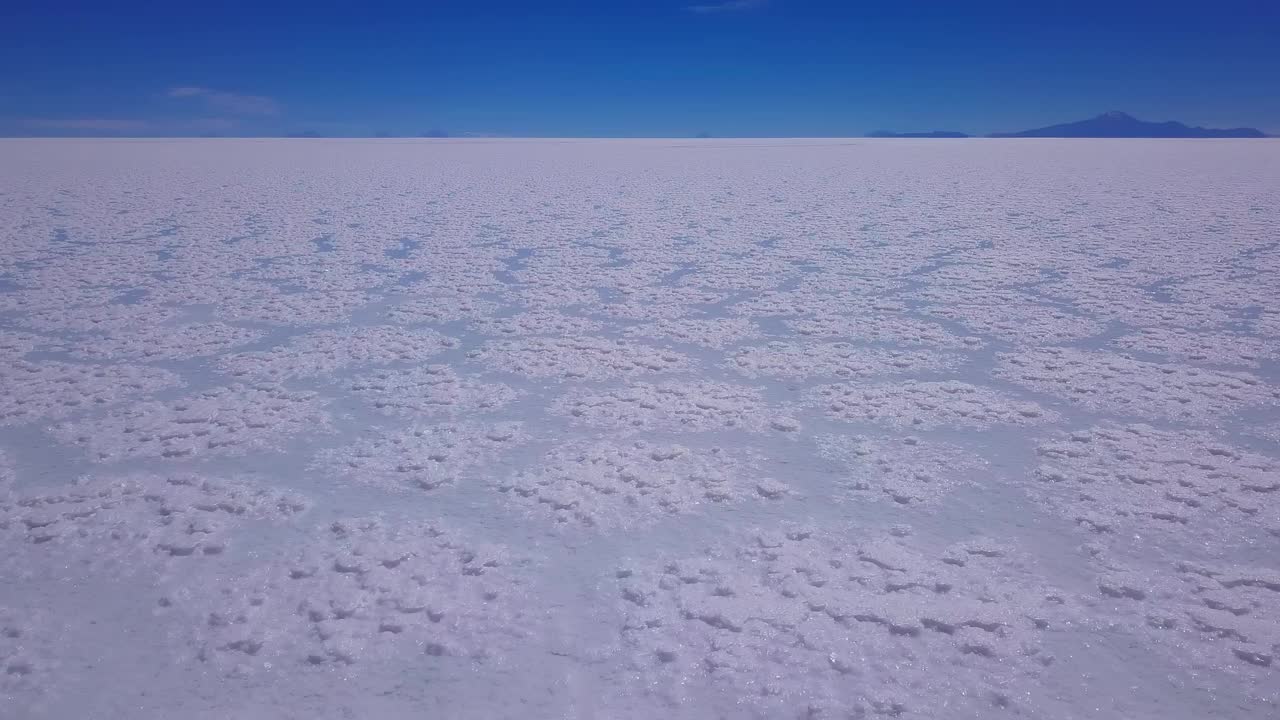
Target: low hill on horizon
1116	124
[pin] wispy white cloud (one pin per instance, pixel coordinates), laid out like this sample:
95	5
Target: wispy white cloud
228	102
727	6
89	124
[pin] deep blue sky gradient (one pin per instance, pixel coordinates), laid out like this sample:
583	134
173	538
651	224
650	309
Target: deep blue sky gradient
651	68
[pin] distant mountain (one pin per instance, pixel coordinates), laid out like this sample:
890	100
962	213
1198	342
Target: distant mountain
1116	124
939	134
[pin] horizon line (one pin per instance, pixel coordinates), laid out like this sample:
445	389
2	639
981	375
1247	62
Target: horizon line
992	136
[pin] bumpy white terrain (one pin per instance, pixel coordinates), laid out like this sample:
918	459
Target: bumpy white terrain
636	429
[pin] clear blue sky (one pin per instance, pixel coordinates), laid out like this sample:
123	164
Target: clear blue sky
616	68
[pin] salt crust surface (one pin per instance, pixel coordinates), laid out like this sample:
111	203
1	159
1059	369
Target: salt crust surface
146	517
1116	384
223	421
44	391
425	457
166	342
429	389
579	358
1126	479
843	626
926	405
673	406
838	359
635	429
327	351
611	484
358	590
903	470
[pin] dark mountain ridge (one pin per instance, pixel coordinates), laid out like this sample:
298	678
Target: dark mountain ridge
1114	124
1117	124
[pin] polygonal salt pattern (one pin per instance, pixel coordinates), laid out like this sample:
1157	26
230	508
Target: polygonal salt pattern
904	470
789	359
555	294
673	406
541	321
326	351
843	627
602	350
1231	609
45	391
25	652
229	420
610	484
7	475
435	310
1198	614
658	302
578	358
15	345
1019	322
149	343
802	302
1200	348
360	590
100	318
1270	431
1114	384
37	298
141	516
294	309
1133	305
715	333
882	327
926	404
427	390
750	273
423	457
1119	480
